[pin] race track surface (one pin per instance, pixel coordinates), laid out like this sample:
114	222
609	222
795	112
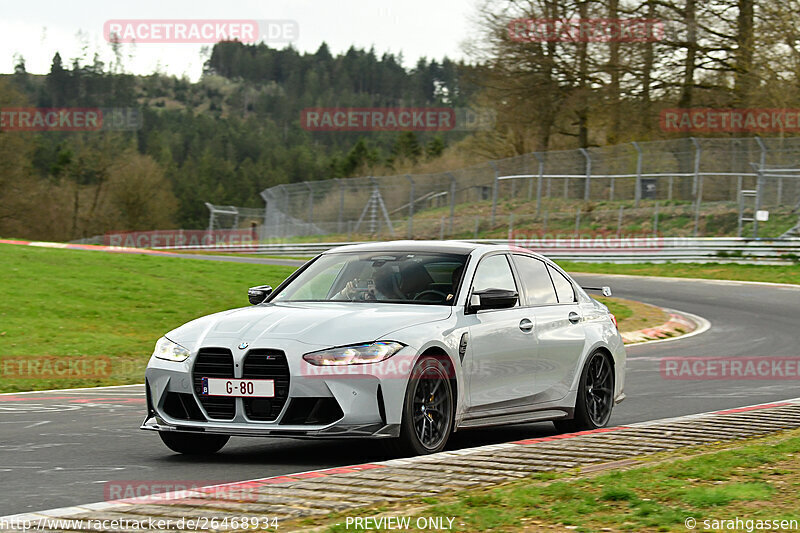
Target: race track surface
60	448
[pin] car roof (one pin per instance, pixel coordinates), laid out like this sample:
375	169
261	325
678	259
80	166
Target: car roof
452	247
447	247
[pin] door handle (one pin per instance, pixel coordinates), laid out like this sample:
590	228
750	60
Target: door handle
574	317
525	325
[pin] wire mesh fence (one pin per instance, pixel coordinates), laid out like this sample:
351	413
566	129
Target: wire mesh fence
681	187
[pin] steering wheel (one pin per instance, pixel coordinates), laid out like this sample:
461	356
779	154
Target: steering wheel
442	296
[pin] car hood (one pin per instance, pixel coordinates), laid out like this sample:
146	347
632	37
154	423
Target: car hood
315	323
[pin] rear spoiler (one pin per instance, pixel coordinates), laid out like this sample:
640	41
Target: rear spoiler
605	290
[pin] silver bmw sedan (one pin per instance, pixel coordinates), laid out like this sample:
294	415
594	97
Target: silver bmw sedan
405	341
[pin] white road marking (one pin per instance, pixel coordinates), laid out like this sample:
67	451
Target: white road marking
43	422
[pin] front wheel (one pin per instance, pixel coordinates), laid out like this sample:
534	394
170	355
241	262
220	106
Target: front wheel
427	411
595	396
193	443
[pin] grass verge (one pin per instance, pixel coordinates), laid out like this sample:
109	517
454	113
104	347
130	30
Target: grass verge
633	316
77	303
756	480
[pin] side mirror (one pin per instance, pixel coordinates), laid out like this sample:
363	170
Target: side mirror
257	295
492	299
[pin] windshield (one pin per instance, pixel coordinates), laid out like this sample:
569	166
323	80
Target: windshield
397	277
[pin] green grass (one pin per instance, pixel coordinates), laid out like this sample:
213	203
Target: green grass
618	309
754	481
78	303
768	273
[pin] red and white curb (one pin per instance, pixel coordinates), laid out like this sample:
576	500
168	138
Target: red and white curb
680	325
85	247
703	426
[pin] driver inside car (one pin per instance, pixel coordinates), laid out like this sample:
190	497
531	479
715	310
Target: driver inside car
382	286
414	280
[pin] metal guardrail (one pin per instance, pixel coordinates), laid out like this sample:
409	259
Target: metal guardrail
601	249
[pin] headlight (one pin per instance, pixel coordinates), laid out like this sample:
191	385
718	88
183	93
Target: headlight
170	351
354	355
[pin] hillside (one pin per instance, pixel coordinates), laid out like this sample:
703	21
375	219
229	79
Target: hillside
223	139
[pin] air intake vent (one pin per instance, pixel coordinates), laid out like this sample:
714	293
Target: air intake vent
214	363
312	411
182	406
266	364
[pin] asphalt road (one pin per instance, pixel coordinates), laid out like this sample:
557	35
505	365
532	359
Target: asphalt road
61	448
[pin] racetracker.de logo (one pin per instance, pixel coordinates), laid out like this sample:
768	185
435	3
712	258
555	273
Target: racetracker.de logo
592	242
55	367
396	119
206	31
179	237
730	368
69	119
399	366
165	490
402	366
591	30
748	120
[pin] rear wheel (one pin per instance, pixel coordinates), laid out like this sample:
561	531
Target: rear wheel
427	411
595	396
193	443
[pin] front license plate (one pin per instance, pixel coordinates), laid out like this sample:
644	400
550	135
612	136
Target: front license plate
246	388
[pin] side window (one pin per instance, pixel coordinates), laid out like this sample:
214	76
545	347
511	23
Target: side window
494	272
564	290
538	286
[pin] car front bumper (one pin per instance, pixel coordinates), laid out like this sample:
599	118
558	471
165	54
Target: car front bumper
156	423
358	401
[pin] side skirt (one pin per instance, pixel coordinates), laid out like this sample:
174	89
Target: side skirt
474	420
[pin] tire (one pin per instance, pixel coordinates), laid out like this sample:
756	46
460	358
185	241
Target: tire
193	443
428	410
595	399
